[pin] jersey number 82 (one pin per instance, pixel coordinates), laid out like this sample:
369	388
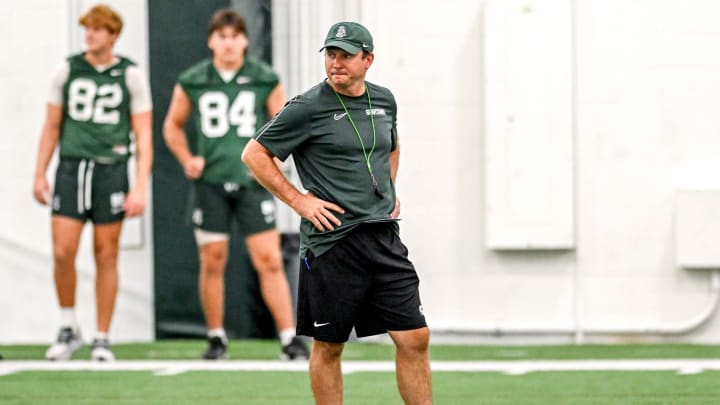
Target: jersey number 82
87	101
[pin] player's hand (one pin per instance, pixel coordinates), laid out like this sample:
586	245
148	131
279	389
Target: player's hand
396	211
134	203
194	167
318	211
41	190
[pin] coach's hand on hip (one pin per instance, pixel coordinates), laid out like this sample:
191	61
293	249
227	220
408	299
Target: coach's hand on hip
396	211
318	211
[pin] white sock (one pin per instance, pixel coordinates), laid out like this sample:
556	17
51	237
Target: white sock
217	332
101	335
68	318
286	336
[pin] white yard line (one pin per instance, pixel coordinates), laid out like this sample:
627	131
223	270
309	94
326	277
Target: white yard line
519	367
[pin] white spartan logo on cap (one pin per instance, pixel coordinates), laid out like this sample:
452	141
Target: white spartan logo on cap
341	33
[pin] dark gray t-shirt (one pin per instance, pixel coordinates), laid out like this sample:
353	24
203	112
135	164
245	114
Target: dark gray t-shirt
315	128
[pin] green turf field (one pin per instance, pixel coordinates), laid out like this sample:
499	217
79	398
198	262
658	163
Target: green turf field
292	387
269	350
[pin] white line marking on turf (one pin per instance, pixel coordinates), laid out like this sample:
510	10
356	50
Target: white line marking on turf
514	367
690	371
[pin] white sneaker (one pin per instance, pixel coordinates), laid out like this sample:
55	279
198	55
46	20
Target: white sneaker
68	341
101	351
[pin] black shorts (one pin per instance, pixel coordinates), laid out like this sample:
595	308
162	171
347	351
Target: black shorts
217	206
364	281
88	190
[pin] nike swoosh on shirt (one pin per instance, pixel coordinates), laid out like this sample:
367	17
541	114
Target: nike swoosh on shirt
337	117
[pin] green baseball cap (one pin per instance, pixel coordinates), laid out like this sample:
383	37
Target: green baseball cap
351	37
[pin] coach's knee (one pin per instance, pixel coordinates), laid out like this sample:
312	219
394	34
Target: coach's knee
412	341
326	352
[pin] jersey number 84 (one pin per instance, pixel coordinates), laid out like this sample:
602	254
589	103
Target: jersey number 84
217	114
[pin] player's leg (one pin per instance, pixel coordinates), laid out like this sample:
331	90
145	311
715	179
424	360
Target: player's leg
266	257
109	188
66	238
412	365
211	218
213	259
256	215
68	218
106	240
213	251
325	372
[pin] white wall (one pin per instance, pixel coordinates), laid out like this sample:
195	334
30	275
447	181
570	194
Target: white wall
35	36
645	94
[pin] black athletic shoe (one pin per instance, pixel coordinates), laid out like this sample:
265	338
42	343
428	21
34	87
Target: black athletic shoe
295	350
217	349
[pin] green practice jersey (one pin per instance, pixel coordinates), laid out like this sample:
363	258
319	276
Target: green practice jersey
227	115
96	112
316	129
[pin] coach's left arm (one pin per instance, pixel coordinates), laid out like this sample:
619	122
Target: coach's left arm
394	163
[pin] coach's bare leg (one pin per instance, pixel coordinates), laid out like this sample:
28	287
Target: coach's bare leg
66	238
266	256
325	373
412	365
213	258
106	240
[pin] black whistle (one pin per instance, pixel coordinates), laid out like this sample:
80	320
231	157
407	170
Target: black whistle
378	193
376	187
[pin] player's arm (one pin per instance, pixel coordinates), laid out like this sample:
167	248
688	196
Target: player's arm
261	162
175	137
142	128
50	135
275	102
141	122
48	141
